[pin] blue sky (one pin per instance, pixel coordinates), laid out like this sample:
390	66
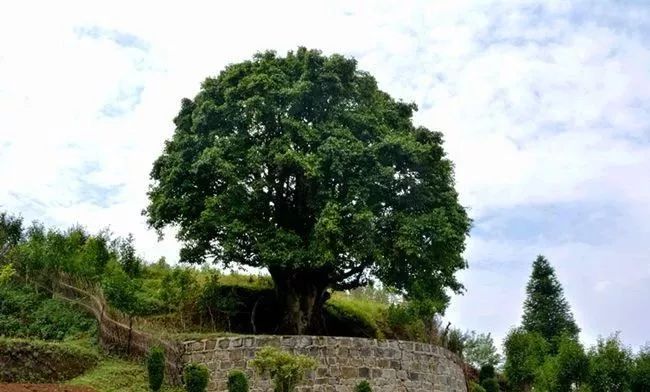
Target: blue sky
544	107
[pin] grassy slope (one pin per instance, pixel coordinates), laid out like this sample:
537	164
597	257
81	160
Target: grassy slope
118	375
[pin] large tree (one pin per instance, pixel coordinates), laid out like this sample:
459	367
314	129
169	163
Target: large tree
301	165
546	311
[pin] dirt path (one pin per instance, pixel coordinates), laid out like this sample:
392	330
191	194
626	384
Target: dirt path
42	388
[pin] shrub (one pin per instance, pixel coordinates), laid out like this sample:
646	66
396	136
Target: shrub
641	371
404	323
363	386
156	368
286	370
610	364
474	387
455	342
196	377
490	384
487	371
27	313
237	381
525	353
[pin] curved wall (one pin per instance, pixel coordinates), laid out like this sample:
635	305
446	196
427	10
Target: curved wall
389	366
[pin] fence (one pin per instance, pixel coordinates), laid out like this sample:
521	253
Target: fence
115	330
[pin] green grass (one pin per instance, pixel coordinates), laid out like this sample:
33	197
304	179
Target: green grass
118	375
366	312
248	281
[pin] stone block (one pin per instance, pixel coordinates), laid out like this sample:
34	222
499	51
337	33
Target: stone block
223	343
349	372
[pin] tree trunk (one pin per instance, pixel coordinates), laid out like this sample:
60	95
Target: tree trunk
301	295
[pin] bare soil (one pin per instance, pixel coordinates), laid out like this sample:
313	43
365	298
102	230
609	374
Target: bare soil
42	388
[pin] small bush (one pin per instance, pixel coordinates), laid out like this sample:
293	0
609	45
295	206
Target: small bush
474	387
237	381
285	369
487	371
404	323
490	384
196	377
156	368
363	386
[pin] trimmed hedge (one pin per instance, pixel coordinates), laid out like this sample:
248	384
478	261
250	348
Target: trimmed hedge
196	377
237	381
156	368
36	361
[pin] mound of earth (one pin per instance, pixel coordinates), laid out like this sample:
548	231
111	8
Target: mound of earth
42	388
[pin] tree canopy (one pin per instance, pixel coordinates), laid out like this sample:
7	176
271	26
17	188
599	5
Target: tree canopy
546	311
301	165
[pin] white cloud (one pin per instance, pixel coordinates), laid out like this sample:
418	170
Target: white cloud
541	105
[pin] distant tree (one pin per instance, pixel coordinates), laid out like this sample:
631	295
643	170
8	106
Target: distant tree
122	292
96	255
641	371
180	291
546	311
480	350
301	165
11	231
525	353
610	366
131	264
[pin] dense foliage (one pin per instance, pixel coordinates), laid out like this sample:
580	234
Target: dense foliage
286	369
38	361
301	165
27	313
640	378
525	353
165	299
610	366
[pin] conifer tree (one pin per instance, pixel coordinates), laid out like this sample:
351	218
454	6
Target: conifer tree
546	311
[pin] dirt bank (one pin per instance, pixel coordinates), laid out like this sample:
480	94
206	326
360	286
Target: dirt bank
42	388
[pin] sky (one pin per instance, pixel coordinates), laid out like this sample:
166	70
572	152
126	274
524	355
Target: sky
544	107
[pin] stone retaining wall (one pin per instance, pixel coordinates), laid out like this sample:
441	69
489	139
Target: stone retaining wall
389	366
